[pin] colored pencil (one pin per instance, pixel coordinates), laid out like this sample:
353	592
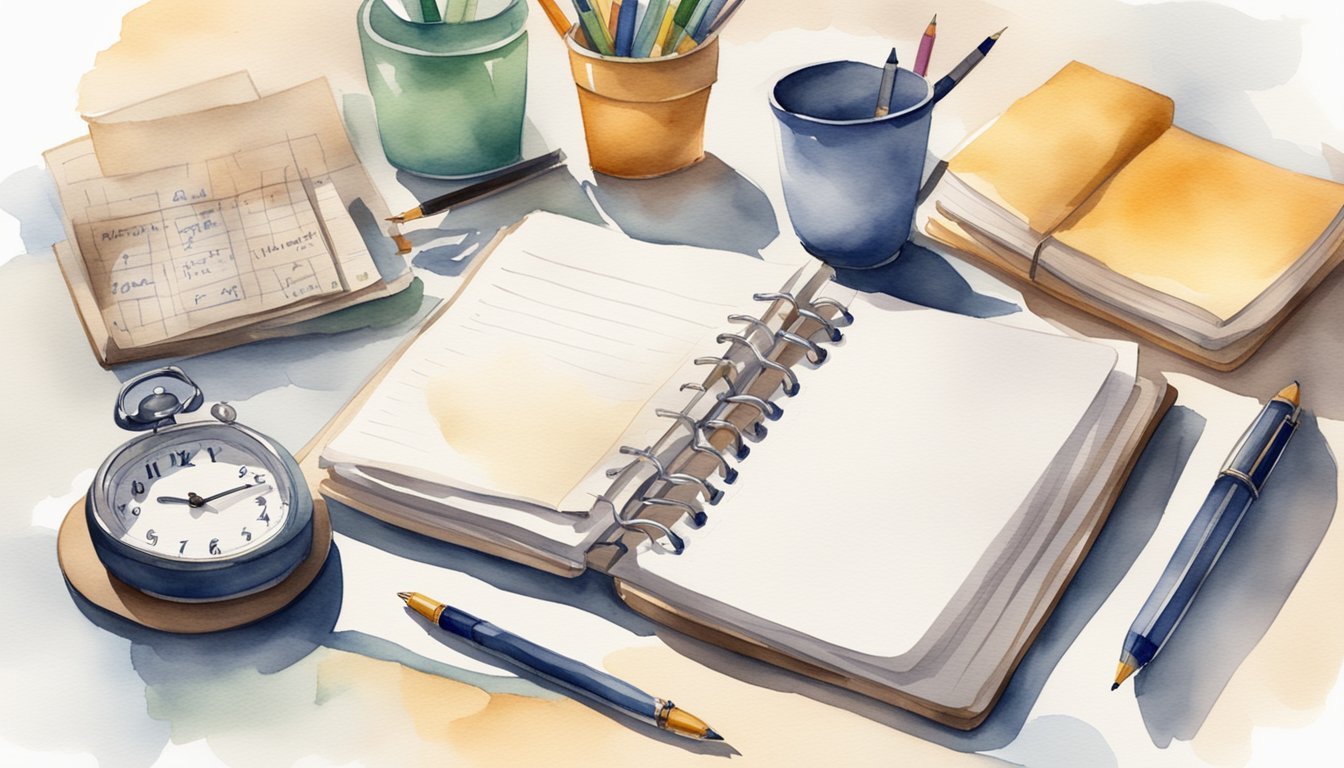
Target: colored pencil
429	9
648	28
625	27
593	27
665	29
884	88
725	16
556	16
712	9
959	72
614	19
926	47
692	22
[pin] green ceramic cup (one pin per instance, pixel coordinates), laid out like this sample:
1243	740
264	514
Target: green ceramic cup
449	97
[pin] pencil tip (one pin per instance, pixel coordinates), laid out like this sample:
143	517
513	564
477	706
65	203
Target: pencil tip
710	735
995	36
891	57
1291	393
1114	686
934	20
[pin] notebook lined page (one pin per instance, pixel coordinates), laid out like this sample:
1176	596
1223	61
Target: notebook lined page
554	354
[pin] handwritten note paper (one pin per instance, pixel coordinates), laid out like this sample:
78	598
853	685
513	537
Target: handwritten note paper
216	242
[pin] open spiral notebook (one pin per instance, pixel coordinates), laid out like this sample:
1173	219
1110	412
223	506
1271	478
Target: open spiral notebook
880	495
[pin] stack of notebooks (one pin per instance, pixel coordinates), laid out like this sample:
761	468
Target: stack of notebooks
193	231
1086	188
883	496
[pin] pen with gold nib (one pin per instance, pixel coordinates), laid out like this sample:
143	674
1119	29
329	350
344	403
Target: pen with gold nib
1238	484
514	175
562	670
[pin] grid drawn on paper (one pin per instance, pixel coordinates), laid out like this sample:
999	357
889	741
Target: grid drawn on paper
244	239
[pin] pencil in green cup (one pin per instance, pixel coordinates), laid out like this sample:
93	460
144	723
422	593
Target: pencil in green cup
459	11
648	28
594	28
429	9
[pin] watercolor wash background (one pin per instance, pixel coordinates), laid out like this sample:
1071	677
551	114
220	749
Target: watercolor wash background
1260	76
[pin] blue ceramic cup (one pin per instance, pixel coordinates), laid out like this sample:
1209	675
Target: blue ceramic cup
851	179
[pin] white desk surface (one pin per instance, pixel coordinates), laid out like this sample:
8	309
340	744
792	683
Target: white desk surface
1253	683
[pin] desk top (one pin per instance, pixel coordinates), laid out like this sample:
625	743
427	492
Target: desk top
1260	689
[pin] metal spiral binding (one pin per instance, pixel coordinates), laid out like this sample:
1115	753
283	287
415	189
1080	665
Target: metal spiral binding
768	409
732	374
711	494
697	517
814	352
790	379
698	442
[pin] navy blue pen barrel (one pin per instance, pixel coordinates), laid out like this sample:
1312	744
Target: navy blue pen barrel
1251	459
572	674
1203	542
1236	487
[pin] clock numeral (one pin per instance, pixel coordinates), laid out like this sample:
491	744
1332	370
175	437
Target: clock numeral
265	518
259	479
242	471
180	459
183	548
247	535
212	451
137	488
135	511
121	510
214	546
152	470
152	537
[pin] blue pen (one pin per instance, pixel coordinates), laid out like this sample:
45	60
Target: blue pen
562	670
1238	484
625	27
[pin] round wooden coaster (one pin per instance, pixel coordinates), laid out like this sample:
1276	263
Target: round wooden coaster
85	572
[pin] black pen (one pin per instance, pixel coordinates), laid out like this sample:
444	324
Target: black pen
517	174
562	670
949	81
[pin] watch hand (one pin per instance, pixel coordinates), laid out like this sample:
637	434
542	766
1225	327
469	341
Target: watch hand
172	500
222	494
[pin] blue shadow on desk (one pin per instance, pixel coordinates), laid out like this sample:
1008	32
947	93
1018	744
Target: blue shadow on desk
1128	529
270	645
1244	592
709	205
921	276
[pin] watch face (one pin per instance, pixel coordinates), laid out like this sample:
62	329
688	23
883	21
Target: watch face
201	494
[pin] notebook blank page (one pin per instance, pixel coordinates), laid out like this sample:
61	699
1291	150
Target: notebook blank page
889	475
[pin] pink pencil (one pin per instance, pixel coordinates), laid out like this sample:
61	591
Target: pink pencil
926	47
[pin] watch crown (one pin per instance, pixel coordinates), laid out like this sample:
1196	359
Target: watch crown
224	412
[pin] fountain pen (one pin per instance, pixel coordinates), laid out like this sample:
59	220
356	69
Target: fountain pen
1237	486
562	670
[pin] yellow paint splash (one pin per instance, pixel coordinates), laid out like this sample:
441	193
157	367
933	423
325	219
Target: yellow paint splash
529	422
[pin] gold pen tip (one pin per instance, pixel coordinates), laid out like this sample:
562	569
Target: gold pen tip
1291	394
995	36
405	596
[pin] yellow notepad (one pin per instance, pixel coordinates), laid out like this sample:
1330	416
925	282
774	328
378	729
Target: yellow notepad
1195	245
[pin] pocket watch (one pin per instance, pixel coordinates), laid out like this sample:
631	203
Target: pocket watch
201	511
